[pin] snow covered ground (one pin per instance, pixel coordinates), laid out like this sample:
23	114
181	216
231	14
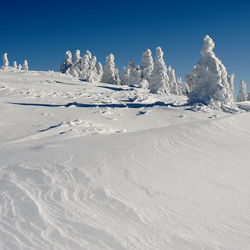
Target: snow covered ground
86	166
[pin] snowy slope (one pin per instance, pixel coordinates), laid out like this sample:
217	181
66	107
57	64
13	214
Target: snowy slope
86	166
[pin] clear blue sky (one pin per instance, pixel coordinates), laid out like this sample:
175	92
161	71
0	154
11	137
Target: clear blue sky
41	31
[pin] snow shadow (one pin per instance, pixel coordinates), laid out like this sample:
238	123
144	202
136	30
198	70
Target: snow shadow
102	105
66	83
113	88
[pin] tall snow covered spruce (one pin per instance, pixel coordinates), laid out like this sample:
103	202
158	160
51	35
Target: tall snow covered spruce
158	82
5	60
242	94
124	79
147	65
99	70
67	63
25	65
92	72
230	79
134	73
110	73
209	83
175	85
83	65
77	56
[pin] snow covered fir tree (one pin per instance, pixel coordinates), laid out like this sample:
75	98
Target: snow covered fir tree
209	84
159	80
242	95
110	73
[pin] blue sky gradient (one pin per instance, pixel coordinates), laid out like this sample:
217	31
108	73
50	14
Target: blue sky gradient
41	31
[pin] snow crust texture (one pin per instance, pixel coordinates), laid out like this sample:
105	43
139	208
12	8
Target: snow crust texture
100	166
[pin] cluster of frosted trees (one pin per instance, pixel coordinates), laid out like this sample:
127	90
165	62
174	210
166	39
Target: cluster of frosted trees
153	75
14	66
85	67
208	84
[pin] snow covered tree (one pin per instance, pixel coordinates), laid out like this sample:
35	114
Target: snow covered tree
77	57
147	65
5	60
110	73
248	96
14	65
19	67
25	65
208	82
73	72
230	79
88	54
124	80
134	73
158	82
99	70
175	86
92	72
117	77
84	65
185	87
242	95
67	63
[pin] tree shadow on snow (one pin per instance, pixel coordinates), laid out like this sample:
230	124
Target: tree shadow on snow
67	83
113	88
102	105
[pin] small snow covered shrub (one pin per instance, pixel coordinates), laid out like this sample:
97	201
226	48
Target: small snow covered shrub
14	65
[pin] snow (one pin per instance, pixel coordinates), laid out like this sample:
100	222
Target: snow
100	166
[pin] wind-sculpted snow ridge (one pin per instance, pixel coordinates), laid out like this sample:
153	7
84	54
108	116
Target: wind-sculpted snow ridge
209	83
101	166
